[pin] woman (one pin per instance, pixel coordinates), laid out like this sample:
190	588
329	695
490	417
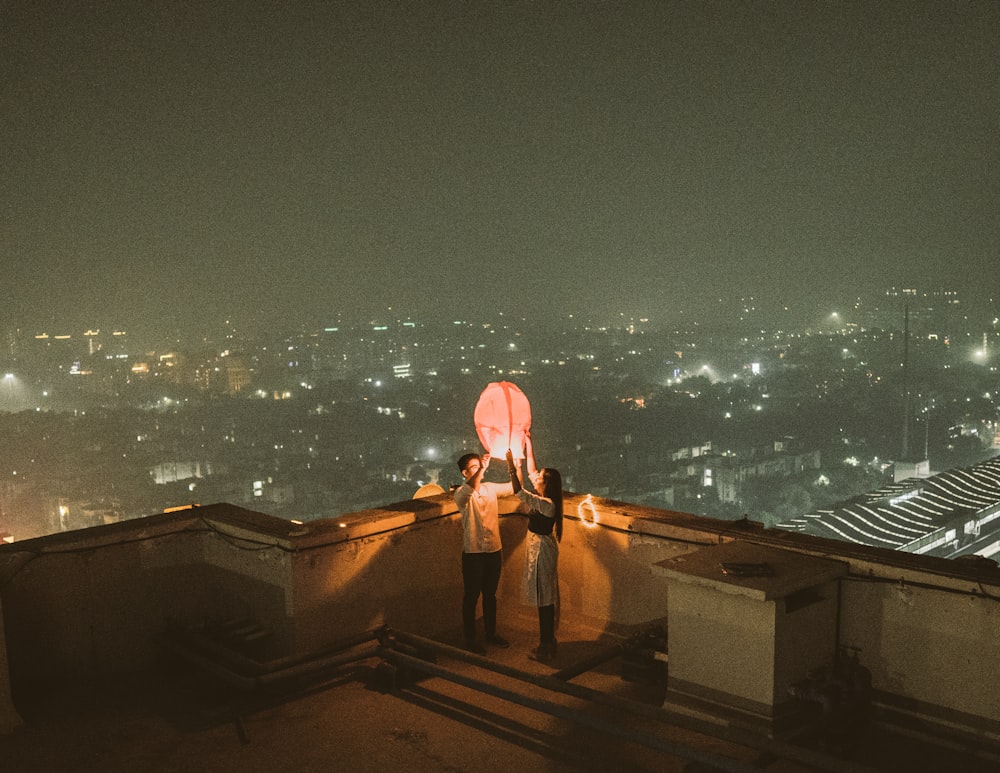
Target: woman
545	521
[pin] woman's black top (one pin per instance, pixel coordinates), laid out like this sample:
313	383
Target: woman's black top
539	523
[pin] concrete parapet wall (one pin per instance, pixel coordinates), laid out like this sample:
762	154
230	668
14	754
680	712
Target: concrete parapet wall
408	577
93	601
932	650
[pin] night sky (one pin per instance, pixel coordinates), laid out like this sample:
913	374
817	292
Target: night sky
178	163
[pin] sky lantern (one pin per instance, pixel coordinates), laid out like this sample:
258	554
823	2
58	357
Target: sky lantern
503	417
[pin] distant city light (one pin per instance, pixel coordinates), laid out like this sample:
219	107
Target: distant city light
333	362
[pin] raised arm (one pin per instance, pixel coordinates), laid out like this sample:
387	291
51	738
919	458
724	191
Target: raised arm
529	454
476	478
515	479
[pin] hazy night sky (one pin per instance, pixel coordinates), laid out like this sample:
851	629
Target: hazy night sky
182	162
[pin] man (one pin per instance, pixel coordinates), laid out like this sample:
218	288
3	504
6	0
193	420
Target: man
481	548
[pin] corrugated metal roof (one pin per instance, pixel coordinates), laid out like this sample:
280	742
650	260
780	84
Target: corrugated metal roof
935	501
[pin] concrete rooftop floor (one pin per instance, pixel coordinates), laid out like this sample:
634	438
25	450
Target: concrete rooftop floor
178	718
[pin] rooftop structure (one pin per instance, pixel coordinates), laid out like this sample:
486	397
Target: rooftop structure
951	514
217	638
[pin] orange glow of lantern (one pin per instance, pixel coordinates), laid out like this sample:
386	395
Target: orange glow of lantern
503	417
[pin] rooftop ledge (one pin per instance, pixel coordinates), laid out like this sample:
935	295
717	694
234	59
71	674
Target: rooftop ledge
94	602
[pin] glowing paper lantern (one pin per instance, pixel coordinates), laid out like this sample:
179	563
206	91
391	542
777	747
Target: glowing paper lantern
502	417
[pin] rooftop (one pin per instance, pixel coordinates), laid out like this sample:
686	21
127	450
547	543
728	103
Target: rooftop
221	639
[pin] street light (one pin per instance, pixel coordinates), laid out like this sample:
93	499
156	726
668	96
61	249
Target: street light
10	381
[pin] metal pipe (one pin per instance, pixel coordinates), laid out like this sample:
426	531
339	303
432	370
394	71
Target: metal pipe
316	666
714	761
182	640
210	665
250	674
588	663
547	682
725	732
338	646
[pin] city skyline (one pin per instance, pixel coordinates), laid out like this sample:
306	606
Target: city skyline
949	313
168	168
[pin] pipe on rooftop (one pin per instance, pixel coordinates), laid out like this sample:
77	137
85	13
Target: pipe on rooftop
247	674
590	663
726	732
714	761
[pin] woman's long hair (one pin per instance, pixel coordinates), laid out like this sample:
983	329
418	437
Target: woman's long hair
552	483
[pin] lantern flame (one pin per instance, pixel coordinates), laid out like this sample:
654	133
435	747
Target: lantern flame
503	418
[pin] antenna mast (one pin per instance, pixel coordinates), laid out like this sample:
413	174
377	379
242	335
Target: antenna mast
906	377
